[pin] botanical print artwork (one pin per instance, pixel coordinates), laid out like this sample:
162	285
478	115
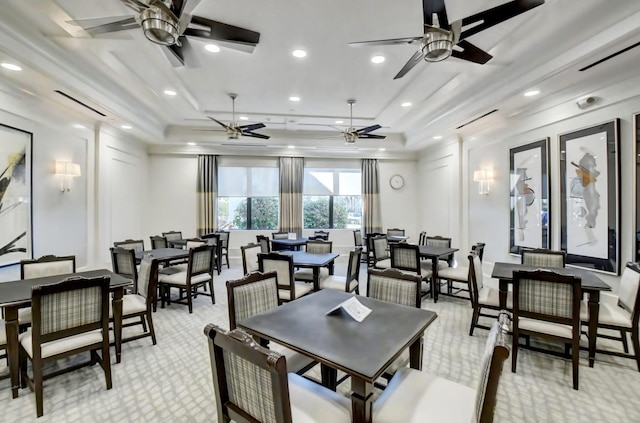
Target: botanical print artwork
587	220
526	179
15	194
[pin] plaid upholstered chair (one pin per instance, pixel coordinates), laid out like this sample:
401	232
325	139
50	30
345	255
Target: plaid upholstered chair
547	305
482	296
369	243
406	258
158	242
282	264
69	317
544	258
279	235
620	313
316	246
213	239
459	274
251	384
417	396
224	245
41	267
358	242
123	261
323	235
348	283
440	241
250	257
265	246
257	293
131	244
172	236
381	255
199	273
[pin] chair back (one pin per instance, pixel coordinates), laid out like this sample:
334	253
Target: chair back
544	258
320	235
69	307
282	264
395	232
264	243
280	235
147	283
224	238
250	257
394	286
131	244
479	248
357	237
158	242
253	294
172	235
250	381
438	241
380	248
405	257
123	261
496	351
319	246
422	239
353	269
629	292
195	242
47	266
476	277
200	261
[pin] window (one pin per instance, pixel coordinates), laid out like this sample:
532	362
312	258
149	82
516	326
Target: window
248	197
332	198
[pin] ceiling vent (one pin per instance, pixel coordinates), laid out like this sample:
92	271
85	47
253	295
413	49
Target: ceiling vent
477	119
611	56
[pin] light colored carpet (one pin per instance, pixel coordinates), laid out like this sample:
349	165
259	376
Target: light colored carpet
171	382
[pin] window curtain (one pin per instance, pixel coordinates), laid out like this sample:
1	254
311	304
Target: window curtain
371	211
291	182
207	193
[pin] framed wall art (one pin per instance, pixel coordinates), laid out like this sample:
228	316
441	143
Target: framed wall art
529	185
15	195
590	197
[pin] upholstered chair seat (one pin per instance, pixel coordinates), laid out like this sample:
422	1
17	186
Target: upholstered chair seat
383	264
460	273
312	403
491	297
131	304
302	288
180	278
306	275
295	361
610	312
59	346
549	328
337	282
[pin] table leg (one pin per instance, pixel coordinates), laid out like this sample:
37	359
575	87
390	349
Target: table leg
316	278
502	293
329	376
117	321
11	322
361	400
415	354
594	310
435	283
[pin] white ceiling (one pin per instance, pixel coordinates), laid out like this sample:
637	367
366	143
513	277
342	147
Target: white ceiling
123	75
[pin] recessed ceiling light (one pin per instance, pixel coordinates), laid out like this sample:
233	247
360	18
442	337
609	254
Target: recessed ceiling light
125	126
291	146
243	118
191	143
406	104
339	121
299	53
294	98
377	59
170	92
11	66
79	126
382	149
212	48
437	137
531	93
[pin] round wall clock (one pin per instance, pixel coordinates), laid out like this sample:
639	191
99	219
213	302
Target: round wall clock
396	181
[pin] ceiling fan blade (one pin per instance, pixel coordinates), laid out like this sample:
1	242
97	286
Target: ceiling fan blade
429	7
214	30
389	42
218	122
252	127
372	136
136	5
178	7
254	135
471	53
496	15
367	129
417	57
97	26
174	54
189	54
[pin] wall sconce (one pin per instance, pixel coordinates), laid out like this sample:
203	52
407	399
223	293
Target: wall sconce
484	178
66	170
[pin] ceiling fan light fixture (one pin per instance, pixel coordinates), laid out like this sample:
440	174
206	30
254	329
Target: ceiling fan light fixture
437	44
159	26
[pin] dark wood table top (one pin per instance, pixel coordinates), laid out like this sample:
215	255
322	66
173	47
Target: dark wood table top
396	238
590	281
19	291
363	350
430	251
302	258
290	242
164	253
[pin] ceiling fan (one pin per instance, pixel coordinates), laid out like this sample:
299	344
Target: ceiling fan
234	130
351	134
442	39
168	23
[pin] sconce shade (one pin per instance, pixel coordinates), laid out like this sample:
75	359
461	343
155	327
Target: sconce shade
483	175
67	168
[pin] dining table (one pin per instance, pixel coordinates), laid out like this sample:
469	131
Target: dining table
436	253
163	255
288	244
590	282
363	350
17	294
313	261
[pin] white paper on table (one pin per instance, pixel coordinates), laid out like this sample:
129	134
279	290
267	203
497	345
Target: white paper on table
354	308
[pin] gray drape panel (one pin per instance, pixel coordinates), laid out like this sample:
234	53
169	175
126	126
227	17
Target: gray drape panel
371	211
291	178
207	193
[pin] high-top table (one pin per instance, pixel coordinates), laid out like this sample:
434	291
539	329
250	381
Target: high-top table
435	253
362	350
313	261
590	282
17	294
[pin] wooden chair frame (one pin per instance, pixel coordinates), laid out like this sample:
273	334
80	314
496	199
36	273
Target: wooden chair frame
224	246
542	251
397	274
46	259
158	241
289	285
146	316
243	250
135	244
265	245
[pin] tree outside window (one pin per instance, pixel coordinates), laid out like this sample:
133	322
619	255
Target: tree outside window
331	199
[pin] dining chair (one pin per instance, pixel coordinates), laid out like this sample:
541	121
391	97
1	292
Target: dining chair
132	244
123	262
251	384
547	305
317	246
250	257
49	265
418	396
620	313
348	283
482	297
459	274
257	293
369	243
214	240
544	258
443	242
279	235
172	236
395	232
224	245
358	242
158	242
324	235
265	246
199	273
406	258
69	317
282	264
422	238
381	254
